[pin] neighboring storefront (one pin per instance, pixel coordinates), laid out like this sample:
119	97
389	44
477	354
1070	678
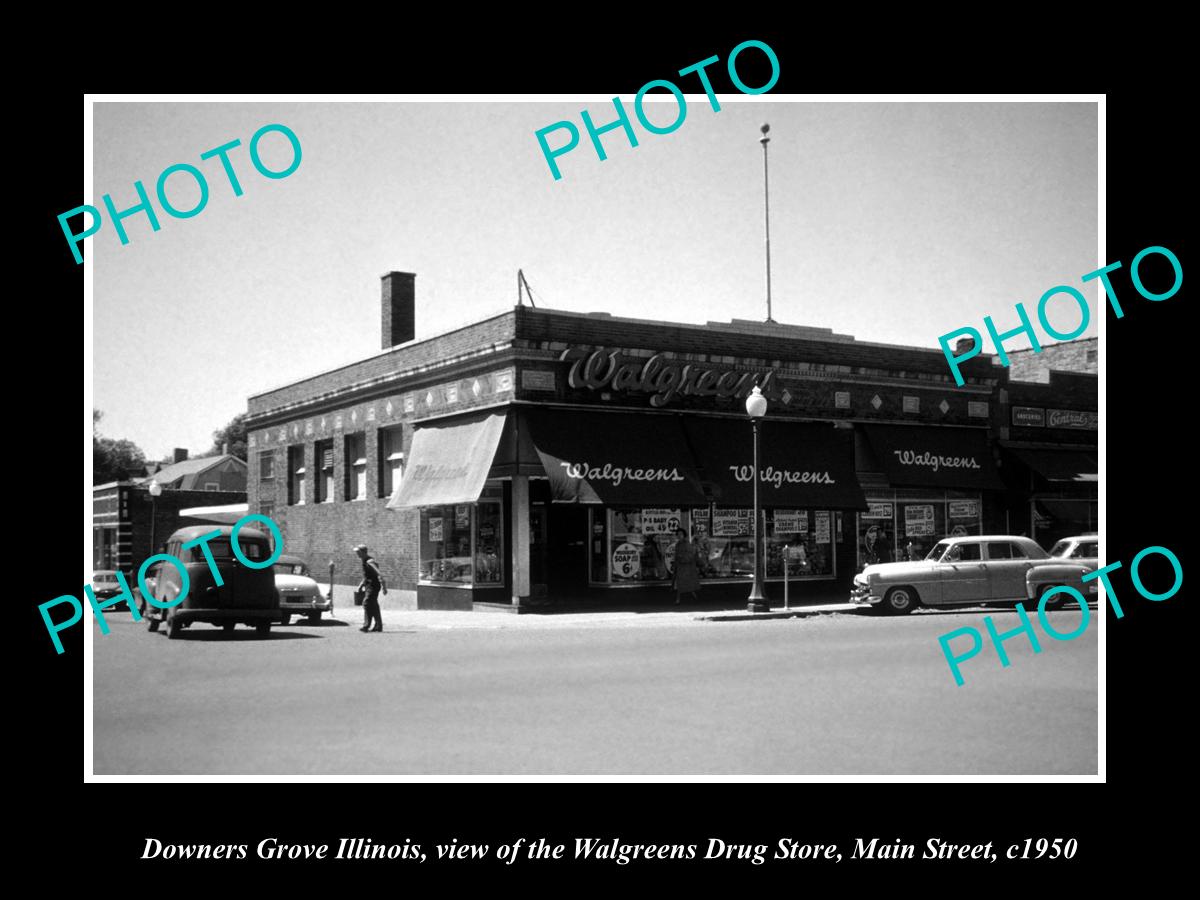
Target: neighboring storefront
1048	443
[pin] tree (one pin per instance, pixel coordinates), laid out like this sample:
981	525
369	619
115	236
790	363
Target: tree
233	434
114	460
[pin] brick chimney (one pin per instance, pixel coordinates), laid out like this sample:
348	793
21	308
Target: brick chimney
180	454
399	308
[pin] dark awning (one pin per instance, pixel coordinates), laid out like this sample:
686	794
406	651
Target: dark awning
1060	465
449	463
927	456
615	458
801	465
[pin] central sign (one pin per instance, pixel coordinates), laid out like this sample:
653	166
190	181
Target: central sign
663	379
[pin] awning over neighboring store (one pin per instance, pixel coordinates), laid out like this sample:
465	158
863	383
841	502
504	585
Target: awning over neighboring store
1060	465
801	465
449	463
925	456
615	458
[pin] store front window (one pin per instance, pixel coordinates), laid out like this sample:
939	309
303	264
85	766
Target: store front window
900	528
640	542
463	545
631	545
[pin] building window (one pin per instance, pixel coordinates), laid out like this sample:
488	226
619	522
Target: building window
356	466
1091	356
267	509
266	465
323	457
463	545
212	485
296	475
391	459
912	404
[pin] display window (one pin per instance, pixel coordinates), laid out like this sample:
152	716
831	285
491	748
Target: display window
463	545
640	542
902	528
801	539
632	545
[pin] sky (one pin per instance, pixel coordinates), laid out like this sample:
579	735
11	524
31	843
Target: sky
894	223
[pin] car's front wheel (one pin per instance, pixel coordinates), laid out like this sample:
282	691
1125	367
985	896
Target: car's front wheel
900	601
314	617
286	619
151	623
174	627
263	629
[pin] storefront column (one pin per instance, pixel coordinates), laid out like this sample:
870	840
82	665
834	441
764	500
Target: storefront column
519	529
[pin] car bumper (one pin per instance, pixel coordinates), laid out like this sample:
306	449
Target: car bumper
1090	590
219	616
862	596
305	604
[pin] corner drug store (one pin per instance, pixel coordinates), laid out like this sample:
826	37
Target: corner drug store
546	456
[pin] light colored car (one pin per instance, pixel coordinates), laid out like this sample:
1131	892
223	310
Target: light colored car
1070	559
105	585
956	572
298	593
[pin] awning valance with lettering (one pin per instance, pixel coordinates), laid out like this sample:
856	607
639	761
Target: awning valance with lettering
615	458
1060	465
449	463
928	456
801	465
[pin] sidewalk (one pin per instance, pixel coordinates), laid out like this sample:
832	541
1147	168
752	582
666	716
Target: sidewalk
399	610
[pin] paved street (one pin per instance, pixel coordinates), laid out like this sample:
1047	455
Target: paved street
594	693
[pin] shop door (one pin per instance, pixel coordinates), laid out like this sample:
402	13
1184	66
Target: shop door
566	549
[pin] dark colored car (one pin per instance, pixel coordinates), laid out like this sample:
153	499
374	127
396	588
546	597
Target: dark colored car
247	596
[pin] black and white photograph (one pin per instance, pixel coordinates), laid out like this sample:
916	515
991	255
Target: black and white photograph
539	438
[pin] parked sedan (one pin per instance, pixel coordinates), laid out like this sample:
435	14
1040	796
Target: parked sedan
298	593
1070	559
957	571
105	585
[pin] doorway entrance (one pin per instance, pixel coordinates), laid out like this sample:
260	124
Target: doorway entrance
558	550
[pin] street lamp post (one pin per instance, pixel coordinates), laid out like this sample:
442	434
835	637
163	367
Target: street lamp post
155	493
756	408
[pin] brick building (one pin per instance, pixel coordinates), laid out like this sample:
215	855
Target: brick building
121	520
544	455
1082	356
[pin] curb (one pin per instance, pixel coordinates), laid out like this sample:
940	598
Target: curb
797	612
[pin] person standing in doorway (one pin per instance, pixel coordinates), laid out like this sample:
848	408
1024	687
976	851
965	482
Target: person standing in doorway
687	567
372	583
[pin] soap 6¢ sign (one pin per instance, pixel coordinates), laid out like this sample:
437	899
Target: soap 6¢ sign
627	561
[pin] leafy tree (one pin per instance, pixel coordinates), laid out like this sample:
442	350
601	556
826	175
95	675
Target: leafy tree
114	460
234	434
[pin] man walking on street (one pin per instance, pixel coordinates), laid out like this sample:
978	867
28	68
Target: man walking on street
372	582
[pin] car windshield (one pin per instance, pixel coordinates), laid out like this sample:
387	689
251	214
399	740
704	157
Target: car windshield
288	568
936	553
1061	549
104	578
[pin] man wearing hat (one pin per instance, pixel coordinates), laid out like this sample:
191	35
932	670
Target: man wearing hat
372	582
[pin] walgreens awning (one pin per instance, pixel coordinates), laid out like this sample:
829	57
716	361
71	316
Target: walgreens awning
801	465
449	463
927	456
615	458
